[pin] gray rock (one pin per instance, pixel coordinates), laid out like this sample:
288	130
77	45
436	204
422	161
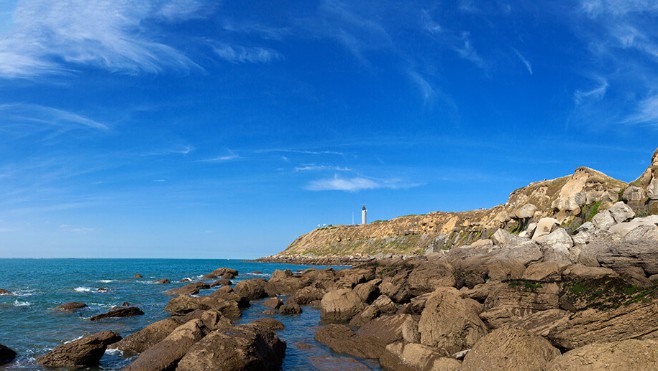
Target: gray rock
526	211
621	212
503	238
557	245
603	220
633	194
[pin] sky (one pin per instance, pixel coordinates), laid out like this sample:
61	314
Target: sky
226	129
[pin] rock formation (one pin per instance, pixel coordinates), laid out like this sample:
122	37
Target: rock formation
85	352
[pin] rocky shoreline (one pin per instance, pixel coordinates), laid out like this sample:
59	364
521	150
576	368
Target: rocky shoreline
548	301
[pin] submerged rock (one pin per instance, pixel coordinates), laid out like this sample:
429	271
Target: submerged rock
119	312
85	352
71	306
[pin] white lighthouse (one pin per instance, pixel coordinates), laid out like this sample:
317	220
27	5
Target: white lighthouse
364	213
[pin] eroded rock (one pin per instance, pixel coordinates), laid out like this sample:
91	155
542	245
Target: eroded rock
85	352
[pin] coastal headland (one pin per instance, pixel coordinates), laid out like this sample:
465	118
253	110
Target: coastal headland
564	276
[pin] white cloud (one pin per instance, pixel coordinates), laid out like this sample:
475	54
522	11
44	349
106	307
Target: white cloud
227	157
306	168
31	113
597	93
77	230
525	62
468	52
241	54
426	89
646	112
355	184
428	24
104	34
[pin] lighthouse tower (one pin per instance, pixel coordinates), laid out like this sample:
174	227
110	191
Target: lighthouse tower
364	213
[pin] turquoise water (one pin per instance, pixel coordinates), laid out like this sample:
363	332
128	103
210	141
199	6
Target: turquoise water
30	326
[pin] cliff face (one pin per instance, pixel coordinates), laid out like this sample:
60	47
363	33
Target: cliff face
571	200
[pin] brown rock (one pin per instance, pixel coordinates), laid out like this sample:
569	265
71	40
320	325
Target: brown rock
580	272
273	303
182	305
4	292
146	337
190	289
290	309
85	352
637	355
541	323
221	282
283	282
268	323
308	294
518	299
340	305
119	312
6	355
544	272
343	340
166	354
510	349
137	275
429	275
227	273
245	347
252	289
70	306
368	291
227	293
633	321
163	281
213	320
449	323
411	357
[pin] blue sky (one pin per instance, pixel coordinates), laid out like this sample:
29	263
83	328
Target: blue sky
225	129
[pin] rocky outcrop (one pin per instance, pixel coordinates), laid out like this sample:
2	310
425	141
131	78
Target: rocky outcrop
340	305
639	320
146	337
85	352
6	355
252	289
244	347
411	357
449	323
226	273
118	312
165	354
638	355
189	289
510	349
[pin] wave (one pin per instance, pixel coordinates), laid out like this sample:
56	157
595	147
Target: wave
21	303
25	292
106	281
114	352
83	289
70	341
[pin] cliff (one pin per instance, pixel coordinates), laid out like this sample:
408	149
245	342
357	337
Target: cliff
571	200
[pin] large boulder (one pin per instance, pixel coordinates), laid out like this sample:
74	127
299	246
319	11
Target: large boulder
448	322
146	337
526	211
340	305
639	320
510	349
429	275
550	271
603	220
542	322
631	354
556	246
6	355
621	212
252	289
518	299
166	354
185	304
308	294
244	347
341	339
411	357
85	352
283	282
623	255
119	312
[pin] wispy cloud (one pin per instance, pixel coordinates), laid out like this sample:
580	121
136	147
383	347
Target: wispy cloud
525	62
77	230
428	24
32	113
224	158
646	112
49	37
242	54
468	52
424	87
598	92
310	168
355	184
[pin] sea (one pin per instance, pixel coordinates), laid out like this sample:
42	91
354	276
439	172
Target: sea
30	325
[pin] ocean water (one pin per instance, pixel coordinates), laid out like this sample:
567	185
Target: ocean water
30	326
